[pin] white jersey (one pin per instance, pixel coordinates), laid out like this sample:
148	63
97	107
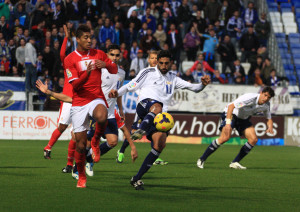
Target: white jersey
247	105
154	85
109	82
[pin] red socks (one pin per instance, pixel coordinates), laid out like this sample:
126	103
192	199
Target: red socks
71	152
99	131
80	161
55	135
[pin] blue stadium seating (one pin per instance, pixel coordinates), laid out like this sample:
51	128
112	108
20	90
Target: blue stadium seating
295	45
273	9
295	52
286	9
296	112
297	10
272	4
288	67
282	45
284	4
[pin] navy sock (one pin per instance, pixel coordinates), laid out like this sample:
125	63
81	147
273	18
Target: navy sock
89	158
243	152
124	146
210	149
148	162
104	148
147	121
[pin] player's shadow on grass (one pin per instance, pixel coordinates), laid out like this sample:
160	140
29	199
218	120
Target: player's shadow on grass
179	187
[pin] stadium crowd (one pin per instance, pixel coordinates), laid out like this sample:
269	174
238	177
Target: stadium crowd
203	31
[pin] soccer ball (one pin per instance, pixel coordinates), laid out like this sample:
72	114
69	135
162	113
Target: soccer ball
163	122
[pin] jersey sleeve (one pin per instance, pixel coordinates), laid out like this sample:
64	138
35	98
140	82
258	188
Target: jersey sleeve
245	100
110	66
182	84
71	71
267	112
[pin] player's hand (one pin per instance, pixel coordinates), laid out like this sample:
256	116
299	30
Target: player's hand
42	87
134	153
270	130
113	94
100	64
205	80
66	31
90	67
122	115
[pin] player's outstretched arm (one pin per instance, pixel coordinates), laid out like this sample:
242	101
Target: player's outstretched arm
44	88
64	45
270	126
182	84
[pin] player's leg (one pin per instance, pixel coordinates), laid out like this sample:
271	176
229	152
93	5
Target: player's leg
71	152
100	115
154	108
252	140
159	143
89	159
120	154
224	137
80	156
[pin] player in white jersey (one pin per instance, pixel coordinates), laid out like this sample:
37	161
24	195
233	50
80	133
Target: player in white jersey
156	88
237	115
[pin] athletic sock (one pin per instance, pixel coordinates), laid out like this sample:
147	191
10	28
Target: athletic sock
148	162
104	148
71	152
124	146
243	152
147	121
210	149
54	137
89	158
80	161
99	131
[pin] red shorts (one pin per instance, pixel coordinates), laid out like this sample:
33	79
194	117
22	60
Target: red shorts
120	123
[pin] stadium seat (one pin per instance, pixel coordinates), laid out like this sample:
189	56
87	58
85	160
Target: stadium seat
284	4
286	9
272	4
275	16
296	3
297	10
295	45
273	9
288	17
218	66
288	67
186	65
278	27
282	45
295	52
293	40
294	35
290	28
246	67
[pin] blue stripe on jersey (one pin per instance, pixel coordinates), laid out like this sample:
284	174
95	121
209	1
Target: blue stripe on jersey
144	74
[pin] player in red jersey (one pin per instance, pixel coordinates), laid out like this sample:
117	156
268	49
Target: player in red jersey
83	67
64	114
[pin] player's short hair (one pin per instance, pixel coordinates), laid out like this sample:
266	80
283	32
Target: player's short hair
164	53
82	29
152	52
269	90
113	47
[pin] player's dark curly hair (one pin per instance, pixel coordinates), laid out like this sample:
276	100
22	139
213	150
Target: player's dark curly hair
164	53
269	90
82	29
113	47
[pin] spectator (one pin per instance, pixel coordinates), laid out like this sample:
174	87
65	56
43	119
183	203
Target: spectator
142	32
267	68
123	63
132	74
133	19
217	78
94	44
124	50
48	60
6	64
262	29
99	26
39	64
257	64
256	79
90	11
160	35
4	9
119	35
165	21
199	22
239	72
30	65
175	4
228	55
2	70
130	35
138	63
18	12
118	12
106	45
174	42
174	70
166	8
148	42
12	50
191	44
4	27
58	16
106	32
205	66
249	44
40	14
187	76
150	20
235	26
154	11
74	12
56	55
20	56
134	50
184	16
210	44
55	37
198	73
224	14
250	15
26	35
15	72
4	51
212	11
138	8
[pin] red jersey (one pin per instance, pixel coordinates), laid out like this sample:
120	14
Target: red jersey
76	63
68	89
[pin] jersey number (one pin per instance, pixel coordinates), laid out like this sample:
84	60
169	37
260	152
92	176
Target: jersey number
168	89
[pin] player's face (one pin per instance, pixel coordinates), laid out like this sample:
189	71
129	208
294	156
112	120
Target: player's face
85	41
114	55
152	60
264	98
164	64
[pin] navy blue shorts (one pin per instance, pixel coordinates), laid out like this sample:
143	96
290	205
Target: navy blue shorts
112	128
239	124
142	110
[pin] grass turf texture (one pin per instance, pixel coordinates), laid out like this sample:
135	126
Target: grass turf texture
31	183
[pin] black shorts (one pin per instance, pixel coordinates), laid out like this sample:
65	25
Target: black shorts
239	124
112	128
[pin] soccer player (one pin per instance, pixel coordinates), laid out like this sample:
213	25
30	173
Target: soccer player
64	114
152	60
83	67
237	115
156	89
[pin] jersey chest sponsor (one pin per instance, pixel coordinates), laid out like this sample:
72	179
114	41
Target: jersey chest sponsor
83	64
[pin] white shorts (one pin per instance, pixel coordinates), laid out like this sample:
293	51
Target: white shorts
65	113
80	115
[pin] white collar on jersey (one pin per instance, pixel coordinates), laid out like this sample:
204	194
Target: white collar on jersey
80	54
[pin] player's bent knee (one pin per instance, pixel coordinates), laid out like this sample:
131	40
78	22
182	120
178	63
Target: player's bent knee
62	127
253	141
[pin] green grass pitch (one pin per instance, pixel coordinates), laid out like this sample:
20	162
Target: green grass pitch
31	183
